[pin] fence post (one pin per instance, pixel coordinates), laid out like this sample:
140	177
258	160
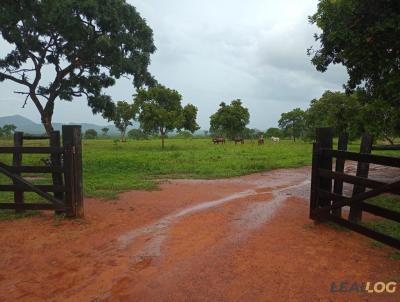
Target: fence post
73	170
324	140
17	161
314	180
339	167
355	214
55	141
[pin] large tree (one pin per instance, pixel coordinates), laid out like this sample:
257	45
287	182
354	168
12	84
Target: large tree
292	123
82	45
336	110
363	35
161	111
230	120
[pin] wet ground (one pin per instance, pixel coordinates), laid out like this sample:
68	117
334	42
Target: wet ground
239	239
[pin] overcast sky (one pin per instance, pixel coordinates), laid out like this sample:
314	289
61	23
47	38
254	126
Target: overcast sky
213	51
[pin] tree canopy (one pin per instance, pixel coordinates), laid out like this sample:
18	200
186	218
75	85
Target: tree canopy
123	116
161	111
293	122
86	45
363	35
230	120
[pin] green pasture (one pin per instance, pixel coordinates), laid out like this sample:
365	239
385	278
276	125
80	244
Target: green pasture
111	167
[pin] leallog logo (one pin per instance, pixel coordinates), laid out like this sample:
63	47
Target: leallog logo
364	287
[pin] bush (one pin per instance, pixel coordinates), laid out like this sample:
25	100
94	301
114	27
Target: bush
90	134
137	134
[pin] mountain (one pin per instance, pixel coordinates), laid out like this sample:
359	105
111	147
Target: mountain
26	125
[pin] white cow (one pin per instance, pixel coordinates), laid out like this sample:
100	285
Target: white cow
275	139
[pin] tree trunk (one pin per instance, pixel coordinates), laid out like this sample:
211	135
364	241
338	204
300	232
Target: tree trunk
389	139
123	136
162	132
46	121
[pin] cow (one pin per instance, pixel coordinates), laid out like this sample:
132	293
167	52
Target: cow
238	140
261	140
217	140
275	139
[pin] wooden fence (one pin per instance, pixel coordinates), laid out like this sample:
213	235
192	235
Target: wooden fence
64	162
327	198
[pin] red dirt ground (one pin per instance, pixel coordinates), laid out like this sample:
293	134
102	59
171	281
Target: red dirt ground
240	239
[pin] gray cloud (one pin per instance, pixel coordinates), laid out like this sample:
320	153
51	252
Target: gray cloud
213	51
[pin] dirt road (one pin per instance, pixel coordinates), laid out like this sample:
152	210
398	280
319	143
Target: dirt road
240	239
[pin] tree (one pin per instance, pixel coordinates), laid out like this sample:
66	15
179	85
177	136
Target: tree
293	122
230	120
363	35
83	45
160	111
8	129
90	134
336	110
381	119
124	113
104	131
276	132
137	134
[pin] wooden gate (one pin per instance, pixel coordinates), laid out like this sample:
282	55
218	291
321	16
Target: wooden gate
64	162
327	198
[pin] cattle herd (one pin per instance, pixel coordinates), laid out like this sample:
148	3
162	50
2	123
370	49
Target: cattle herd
221	140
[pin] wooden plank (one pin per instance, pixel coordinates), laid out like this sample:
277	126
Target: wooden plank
379	211
22	181
369	158
17	161
35	137
314	181
355	214
324	139
30	206
44	188
363	196
72	141
339	168
369	183
386	147
36	169
55	141
393	242
31	150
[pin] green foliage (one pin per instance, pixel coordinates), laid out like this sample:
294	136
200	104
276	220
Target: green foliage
137	134
7	130
251	133
293	123
230	120
104	131
123	115
336	110
184	134
160	111
363	35
88	44
90	134
276	132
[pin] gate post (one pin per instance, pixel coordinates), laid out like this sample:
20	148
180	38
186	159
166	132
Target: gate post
72	143
355	214
17	161
324	140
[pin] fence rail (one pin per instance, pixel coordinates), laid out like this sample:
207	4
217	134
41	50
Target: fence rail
65	194
327	198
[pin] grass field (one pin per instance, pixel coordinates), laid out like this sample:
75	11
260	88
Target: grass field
112	167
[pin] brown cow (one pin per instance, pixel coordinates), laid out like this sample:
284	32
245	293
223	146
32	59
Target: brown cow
261	140
238	140
217	140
